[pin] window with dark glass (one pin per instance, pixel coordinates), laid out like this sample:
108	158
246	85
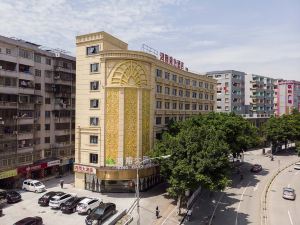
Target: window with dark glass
92	50
94	121
94	103
94	67
93	139
158	120
93	158
94	85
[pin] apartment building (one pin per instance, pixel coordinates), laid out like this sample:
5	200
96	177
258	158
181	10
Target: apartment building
287	96
124	101
37	111
259	96
230	90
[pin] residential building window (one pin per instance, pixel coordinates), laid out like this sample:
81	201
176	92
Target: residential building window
158	88
94	103
158	104
219	107
194	106
206	107
200	107
211	108
194	94
206	85
37	58
187	81
180	105
47	140
158	73
211	86
94	85
167	75
194	83
94	121
219	99
93	158
174	78
167	105
187	93
180	93
48	61
93	139
47	126
187	107
211	97
94	67
226	108
47	100
158	120
167	90
8	51
180	80
201	95
37	86
37	73
174	91
47	114
206	96
226	100
25	54
200	84
167	120
92	50
174	105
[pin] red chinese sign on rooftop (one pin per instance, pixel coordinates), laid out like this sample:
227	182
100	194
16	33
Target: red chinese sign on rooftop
171	61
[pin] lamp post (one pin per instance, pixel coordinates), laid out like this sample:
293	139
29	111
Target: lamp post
137	190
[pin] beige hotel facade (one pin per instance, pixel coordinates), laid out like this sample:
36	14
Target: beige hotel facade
124	100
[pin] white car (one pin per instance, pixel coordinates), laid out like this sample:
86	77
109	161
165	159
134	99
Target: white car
297	166
289	193
58	200
86	205
33	185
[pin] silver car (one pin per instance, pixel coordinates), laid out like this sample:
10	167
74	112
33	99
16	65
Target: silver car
297	166
289	193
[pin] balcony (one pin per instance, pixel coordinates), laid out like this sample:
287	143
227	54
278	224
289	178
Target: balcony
22	135
8	73
8	105
61	106
25	120
26	106
25	149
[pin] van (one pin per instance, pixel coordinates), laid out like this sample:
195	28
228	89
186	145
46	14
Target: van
33	185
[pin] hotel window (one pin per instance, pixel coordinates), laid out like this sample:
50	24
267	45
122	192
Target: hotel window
167	75
93	158
93	139
180	105
206	107
180	93
206	85
200	84
200	107
94	121
158	104
194	83
158	73
94	67
92	50
174	78
206	96
158	120
194	95
158	88
94	103
167	120
201	95
194	106
180	80
187	93
167	90
174	105
174	91
187	107
187	81
94	85
167	105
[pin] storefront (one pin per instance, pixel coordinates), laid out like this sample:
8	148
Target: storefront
66	166
8	179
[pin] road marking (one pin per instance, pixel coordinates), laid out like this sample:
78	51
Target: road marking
212	216
168	215
290	217
237	211
256	187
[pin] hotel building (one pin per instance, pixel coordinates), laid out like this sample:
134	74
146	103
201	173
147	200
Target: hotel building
37	109
124	100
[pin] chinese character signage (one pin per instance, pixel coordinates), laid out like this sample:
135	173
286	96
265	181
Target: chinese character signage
171	61
84	169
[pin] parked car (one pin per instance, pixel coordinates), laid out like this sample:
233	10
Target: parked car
289	193
71	204
45	199
13	197
30	221
33	185
297	166
256	168
101	213
87	205
58	201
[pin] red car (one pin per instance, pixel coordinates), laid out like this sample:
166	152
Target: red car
30	221
256	168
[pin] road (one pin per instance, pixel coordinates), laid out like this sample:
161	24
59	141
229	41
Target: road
281	211
239	204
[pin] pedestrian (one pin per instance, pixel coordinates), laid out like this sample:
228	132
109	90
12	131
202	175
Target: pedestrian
189	214
157	212
61	184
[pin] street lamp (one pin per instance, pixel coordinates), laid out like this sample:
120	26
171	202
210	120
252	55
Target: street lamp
137	190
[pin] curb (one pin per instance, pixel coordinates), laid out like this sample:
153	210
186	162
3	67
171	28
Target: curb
263	200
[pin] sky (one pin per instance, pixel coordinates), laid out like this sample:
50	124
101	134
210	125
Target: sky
257	36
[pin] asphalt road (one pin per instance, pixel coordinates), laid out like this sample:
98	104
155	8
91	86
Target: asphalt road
239	204
281	211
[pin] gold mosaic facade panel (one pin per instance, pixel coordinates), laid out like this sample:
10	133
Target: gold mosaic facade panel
130	122
112	126
145	122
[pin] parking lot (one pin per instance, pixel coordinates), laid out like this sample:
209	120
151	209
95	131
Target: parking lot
29	205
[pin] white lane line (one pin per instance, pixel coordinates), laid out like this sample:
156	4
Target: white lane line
237	210
212	216
290	218
169	215
256	187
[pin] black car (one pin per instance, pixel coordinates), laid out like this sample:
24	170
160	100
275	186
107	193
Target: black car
100	213
30	221
70	205
45	199
13	197
256	168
